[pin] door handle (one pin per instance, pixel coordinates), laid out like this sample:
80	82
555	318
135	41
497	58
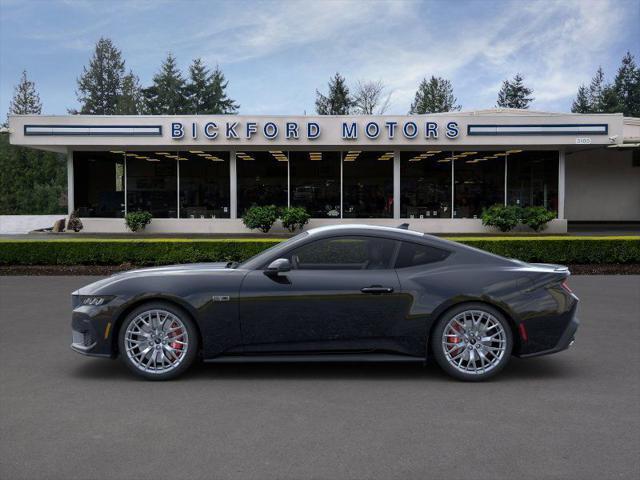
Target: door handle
376	289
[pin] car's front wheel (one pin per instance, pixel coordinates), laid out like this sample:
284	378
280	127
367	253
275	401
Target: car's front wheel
472	342
158	341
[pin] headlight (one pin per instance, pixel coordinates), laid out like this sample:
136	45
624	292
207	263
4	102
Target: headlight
94	300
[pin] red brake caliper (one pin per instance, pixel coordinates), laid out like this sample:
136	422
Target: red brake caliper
454	339
175	345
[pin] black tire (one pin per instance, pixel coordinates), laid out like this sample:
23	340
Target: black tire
438	349
188	357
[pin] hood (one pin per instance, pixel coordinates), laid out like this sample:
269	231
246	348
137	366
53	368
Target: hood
93	288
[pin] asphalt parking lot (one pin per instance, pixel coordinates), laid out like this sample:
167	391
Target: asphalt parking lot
571	415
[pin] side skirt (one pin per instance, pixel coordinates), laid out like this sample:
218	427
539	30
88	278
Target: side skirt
317	358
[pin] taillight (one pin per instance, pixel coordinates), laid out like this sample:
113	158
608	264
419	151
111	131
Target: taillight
565	285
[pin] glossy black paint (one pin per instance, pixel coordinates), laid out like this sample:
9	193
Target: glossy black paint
250	311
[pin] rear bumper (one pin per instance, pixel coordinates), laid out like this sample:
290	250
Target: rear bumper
566	340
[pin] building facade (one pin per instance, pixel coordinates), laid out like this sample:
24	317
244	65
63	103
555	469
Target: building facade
437	172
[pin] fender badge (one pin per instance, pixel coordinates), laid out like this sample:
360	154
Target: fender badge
220	298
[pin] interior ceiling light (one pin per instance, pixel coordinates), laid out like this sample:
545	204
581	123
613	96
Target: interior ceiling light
162	153
514	151
141	157
152	160
131	154
434	151
444	160
500	154
196	151
116	151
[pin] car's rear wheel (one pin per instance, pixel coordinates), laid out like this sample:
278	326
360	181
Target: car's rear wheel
158	341
472	342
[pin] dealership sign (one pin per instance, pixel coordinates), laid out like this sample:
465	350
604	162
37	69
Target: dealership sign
292	130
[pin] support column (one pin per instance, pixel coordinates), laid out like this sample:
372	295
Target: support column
561	178
396	184
233	185
70	183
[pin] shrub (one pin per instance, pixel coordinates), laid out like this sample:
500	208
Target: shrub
503	217
558	249
74	222
261	218
294	218
537	217
137	220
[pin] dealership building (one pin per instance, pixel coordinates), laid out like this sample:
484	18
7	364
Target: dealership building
437	172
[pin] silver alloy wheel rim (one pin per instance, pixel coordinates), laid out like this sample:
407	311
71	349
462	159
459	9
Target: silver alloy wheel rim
474	342
156	341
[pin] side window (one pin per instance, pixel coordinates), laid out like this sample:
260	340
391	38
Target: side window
412	254
344	253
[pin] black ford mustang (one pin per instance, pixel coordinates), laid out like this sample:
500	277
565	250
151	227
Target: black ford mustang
340	293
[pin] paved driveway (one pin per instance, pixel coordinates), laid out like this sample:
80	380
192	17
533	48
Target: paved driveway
571	415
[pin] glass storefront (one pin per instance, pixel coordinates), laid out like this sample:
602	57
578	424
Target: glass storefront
204	184
262	179
367	184
478	182
315	182
99	184
328	184
152	183
425	184
532	178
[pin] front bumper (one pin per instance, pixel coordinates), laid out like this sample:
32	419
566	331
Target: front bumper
566	340
91	330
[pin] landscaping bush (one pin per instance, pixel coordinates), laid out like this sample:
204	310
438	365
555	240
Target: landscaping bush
137	220
294	218
503	217
537	217
73	251
261	218
74	222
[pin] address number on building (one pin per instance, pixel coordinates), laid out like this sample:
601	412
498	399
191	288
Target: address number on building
583	141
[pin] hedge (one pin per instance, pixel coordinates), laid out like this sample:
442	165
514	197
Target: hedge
558	249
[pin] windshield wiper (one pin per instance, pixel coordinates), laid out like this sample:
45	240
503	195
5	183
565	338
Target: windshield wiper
231	265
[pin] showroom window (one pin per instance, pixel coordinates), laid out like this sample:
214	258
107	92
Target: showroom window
478	182
532	178
99	184
152	183
315	182
204	184
262	179
425	184
367	184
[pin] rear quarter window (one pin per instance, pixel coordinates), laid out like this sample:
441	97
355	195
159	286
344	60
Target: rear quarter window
413	254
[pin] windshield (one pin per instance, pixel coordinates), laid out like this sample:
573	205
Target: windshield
257	260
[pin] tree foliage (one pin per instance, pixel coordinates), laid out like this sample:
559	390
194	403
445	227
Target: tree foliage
206	91
100	85
338	100
167	95
371	98
433	96
25	99
130	100
514	93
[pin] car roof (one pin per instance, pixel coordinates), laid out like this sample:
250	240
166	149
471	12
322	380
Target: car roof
363	227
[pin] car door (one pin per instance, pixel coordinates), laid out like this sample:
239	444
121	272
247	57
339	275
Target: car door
341	294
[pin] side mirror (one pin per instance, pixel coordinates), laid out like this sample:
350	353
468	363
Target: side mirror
279	265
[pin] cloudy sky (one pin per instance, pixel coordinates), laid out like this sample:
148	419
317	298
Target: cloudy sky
276	53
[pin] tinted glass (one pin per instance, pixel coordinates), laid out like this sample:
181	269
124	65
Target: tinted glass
479	182
425	184
315	182
204	184
532	179
152	183
99	184
344	253
262	179
412	254
367	184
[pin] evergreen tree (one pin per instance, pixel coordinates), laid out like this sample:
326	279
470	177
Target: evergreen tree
433	96
514	94
100	85
25	99
581	104
596	91
627	86
130	101
167	95
206	91
338	101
